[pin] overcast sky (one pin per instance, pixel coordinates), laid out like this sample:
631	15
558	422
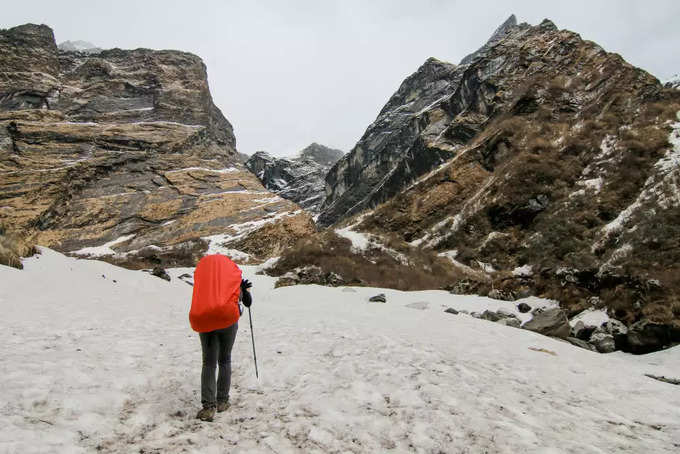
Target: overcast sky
288	73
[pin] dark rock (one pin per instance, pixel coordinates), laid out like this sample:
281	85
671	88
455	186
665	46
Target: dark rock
603	342
672	381
160	272
550	322
581	343
646	336
523	308
490	316
379	298
513	322
577	328
450	310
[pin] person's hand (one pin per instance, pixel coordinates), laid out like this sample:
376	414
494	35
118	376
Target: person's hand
245	284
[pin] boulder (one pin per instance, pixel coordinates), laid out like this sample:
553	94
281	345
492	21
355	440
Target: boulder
603	342
379	298
581	343
490	316
513	322
160	272
646	336
550	322
577	328
523	308
450	310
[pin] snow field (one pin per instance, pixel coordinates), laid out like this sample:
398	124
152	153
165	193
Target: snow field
91	364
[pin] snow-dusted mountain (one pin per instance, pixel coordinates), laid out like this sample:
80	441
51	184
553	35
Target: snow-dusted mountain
98	358
79	46
299	179
540	151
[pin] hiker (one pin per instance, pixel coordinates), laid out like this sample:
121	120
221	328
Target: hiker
215	310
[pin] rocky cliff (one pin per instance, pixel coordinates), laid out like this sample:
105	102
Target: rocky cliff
123	154
300	179
559	177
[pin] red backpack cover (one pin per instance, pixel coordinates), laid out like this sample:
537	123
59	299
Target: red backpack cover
217	286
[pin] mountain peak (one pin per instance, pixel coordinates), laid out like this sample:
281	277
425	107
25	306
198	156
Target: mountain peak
496	36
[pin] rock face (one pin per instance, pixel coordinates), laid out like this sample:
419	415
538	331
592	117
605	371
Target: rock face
300	179
121	154
395	149
561	157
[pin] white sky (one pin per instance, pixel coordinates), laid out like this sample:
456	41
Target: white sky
288	73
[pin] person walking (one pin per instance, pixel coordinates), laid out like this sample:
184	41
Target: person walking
215	310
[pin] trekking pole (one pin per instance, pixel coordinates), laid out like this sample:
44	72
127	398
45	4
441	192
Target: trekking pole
252	336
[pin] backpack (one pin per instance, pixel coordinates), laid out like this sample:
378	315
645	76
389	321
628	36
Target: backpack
217	287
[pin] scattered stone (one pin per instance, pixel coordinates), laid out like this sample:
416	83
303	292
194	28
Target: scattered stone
603	342
379	298
523	308
513	322
550	322
490	316
160	272
581	343
451	310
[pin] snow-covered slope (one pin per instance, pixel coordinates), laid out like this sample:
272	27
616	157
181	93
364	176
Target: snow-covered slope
97	357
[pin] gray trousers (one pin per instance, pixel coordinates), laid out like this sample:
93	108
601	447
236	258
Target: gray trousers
216	346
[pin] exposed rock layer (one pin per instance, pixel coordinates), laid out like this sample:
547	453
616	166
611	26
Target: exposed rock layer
121	153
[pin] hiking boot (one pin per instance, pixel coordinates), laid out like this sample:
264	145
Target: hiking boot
206	414
222	406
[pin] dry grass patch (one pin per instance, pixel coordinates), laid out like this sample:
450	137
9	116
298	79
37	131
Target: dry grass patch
13	247
374	267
